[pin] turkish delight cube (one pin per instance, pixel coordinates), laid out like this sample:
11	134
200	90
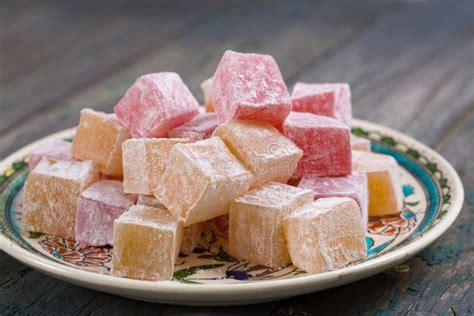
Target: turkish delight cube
359	143
156	103
325	235
325	143
207	175
199	128
206	86
353	186
385	190
191	238
146	243
191	234
97	208
144	161
50	195
261	148
99	138
327	99
256	223
56	149
219	225
249	86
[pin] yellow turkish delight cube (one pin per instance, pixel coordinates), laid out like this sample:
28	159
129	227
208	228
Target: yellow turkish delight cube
144	161
325	235
99	138
200	181
385	190
206	90
50	195
262	149
256	223
146	243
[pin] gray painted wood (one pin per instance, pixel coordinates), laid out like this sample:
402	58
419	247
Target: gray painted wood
409	65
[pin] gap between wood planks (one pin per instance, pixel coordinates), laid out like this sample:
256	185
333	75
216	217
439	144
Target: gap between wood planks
120	37
200	61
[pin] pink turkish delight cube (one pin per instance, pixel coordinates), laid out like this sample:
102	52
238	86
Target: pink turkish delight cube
250	86
97	208
199	128
325	143
156	103
56	149
327	99
353	186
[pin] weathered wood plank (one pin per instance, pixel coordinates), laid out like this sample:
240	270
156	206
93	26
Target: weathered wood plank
81	48
409	68
294	45
439	280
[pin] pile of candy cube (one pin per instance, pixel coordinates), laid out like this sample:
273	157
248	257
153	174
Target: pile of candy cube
280	176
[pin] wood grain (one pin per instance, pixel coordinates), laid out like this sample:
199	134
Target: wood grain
409	65
293	44
66	57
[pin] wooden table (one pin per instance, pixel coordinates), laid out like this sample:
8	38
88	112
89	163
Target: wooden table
410	65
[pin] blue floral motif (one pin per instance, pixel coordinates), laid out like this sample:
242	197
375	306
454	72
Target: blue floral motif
408	190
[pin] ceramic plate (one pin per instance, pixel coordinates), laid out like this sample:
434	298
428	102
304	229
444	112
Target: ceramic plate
210	276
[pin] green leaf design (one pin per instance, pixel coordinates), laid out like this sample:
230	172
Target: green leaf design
183	273
359	131
412	203
414	153
442	213
69	139
206	256
446	198
18	165
389	140
224	256
35	235
443	182
432	167
3	178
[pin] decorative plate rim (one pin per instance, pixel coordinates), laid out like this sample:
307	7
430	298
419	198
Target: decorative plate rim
177	292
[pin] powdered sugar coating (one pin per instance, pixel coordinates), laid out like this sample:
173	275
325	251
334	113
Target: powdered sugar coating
191	234
261	148
50	195
144	161
328	99
149	200
256	223
385	190
249	86
325	235
359	143
199	128
353	186
56	149
325	143
156	103
97	208
207	174
99	138
146	243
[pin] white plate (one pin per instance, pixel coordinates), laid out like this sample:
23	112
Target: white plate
433	199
